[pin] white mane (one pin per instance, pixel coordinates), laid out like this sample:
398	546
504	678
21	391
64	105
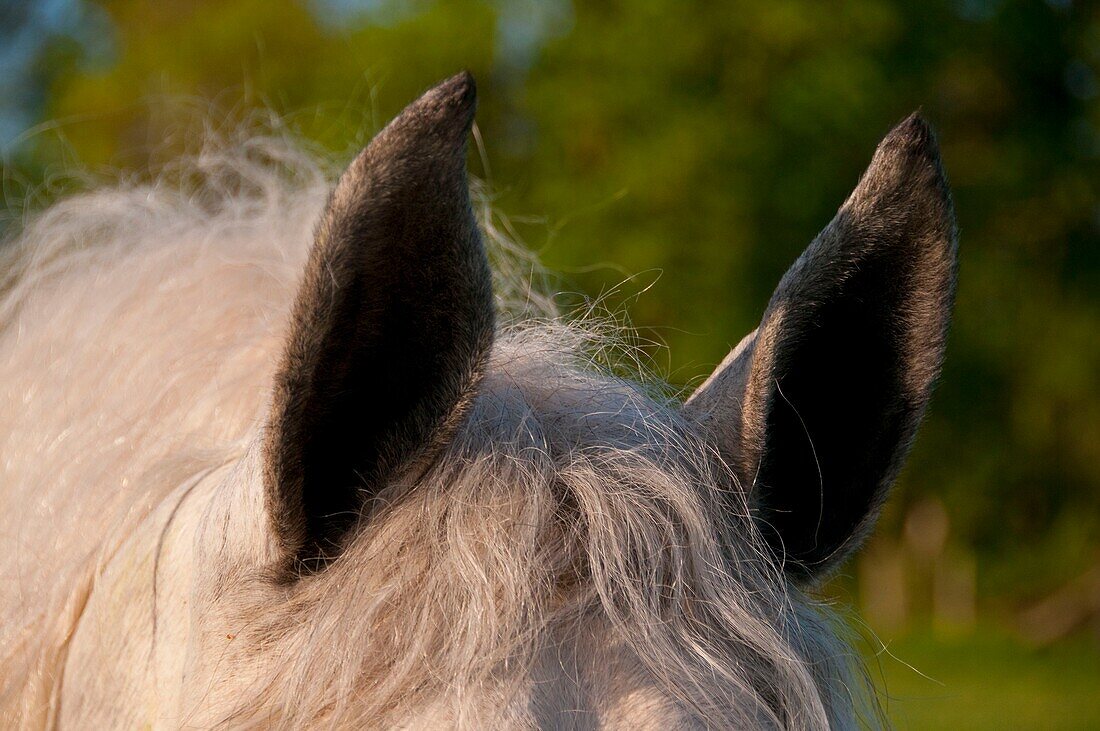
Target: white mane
527	570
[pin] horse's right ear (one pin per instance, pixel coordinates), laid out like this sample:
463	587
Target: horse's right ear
816	409
390	329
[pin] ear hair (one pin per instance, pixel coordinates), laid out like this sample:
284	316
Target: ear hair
817	408
393	321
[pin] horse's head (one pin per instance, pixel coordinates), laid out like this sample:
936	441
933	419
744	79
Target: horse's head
444	519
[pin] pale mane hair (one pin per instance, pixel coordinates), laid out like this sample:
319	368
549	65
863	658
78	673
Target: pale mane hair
523	554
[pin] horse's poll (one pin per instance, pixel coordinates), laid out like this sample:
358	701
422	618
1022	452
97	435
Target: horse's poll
274	455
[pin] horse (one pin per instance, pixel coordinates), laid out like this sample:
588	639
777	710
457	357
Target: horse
275	454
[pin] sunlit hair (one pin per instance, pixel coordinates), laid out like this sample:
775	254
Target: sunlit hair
575	526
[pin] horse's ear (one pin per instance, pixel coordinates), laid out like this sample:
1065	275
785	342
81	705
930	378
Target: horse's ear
390	329
816	409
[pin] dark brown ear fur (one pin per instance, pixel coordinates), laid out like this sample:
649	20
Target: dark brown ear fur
392	323
817	408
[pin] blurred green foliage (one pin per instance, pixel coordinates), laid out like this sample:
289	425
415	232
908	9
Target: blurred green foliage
700	144
987	681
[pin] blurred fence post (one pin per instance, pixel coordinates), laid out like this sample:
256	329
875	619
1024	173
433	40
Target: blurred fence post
884	597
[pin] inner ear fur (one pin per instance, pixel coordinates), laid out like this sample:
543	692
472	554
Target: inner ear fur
816	410
390	329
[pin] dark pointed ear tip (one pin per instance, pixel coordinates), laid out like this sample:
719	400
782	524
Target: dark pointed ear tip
442	115
460	89
455	98
913	136
908	156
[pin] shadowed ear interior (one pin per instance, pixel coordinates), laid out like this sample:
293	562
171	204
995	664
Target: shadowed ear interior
392	323
816	409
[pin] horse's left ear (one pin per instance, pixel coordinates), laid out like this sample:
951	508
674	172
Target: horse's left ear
815	410
390	329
